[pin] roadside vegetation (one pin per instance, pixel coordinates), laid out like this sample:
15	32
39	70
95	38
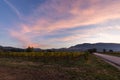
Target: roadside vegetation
112	53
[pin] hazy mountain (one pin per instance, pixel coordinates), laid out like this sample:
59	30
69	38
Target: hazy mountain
78	47
98	46
14	49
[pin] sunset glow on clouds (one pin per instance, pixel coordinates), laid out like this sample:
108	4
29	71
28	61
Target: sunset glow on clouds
59	23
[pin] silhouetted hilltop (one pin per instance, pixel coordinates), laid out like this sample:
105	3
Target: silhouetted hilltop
78	47
98	46
13	49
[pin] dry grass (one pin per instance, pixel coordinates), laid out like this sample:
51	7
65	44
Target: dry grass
113	53
62	68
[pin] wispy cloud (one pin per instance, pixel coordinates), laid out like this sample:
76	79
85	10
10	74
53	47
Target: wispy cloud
13	8
55	15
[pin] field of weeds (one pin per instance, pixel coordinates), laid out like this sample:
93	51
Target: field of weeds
55	66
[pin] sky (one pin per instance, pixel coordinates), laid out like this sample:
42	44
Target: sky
58	23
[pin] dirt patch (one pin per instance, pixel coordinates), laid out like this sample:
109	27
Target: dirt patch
7	73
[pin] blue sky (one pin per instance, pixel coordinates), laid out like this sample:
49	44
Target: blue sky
58	23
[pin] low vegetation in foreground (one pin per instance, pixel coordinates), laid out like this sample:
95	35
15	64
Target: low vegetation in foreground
112	53
55	66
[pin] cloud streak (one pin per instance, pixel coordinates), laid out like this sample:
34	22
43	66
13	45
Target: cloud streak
55	15
13	8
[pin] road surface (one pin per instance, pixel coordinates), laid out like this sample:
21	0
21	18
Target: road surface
113	60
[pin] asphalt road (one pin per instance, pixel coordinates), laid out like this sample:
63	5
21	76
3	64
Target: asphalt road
113	60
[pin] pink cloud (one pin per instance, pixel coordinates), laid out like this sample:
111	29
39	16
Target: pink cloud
93	35
96	12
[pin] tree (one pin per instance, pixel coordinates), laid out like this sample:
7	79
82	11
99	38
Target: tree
104	50
1	49
92	50
110	50
30	49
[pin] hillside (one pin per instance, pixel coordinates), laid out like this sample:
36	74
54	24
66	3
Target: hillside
98	46
78	47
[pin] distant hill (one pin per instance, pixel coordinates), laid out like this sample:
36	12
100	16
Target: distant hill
14	49
11	49
78	47
98	46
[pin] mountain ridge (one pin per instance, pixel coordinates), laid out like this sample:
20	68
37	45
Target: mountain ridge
98	46
78	47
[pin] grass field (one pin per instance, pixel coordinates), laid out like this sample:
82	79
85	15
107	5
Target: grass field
55	66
